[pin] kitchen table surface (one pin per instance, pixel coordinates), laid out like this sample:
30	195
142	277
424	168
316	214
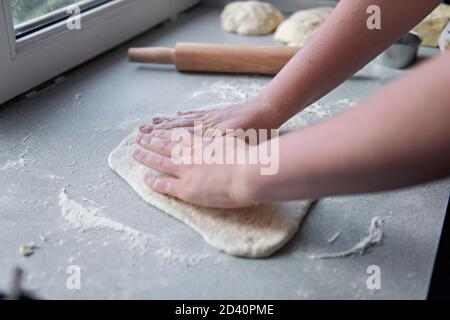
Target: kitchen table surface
60	138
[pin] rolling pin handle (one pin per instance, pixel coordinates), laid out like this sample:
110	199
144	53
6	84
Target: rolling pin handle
152	55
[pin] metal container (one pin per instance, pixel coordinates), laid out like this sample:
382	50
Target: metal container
444	39
402	53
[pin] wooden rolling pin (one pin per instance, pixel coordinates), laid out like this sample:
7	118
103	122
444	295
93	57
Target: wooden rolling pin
267	60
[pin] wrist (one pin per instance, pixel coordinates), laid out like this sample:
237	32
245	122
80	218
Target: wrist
245	187
266	109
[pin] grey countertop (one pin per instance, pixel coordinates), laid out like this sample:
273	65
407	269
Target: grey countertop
62	136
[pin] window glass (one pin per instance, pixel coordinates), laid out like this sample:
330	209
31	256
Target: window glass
26	10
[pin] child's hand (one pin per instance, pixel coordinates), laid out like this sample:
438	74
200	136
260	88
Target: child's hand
211	185
255	114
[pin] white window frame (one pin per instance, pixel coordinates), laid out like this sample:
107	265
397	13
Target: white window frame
43	55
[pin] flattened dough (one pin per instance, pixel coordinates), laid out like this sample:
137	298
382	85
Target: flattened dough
252	232
299	28
250	17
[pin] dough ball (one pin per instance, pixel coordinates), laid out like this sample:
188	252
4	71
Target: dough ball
433	25
297	30
251	17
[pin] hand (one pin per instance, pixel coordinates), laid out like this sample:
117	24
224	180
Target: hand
256	114
210	185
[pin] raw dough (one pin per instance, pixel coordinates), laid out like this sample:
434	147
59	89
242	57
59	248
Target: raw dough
252	232
251	17
433	25
299	28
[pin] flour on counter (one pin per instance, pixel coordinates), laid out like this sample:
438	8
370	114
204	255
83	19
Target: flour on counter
91	218
169	255
128	123
53	177
374	237
26	138
232	92
18	164
334	237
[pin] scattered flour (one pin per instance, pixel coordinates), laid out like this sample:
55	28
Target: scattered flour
169	255
128	123
237	91
26	138
53	177
18	164
125	124
72	163
374	237
334	237
317	109
91	218
231	92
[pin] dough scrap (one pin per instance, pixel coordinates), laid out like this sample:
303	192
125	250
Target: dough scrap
250	17
252	232
299	28
433	25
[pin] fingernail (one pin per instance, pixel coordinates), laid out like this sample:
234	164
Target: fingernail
145	127
139	137
149	179
138	154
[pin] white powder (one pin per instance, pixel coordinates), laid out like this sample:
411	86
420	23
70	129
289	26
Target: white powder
334	237
345	102
26	138
53	177
125	124
169	255
232	92
91	218
374	237
18	164
318	110
237	91
128	123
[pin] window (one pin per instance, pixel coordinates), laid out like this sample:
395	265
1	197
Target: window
32	15
37	42
26	10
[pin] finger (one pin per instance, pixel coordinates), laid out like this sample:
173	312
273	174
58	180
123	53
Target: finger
177	116
213	132
191	113
176	123
165	185
162	134
173	135
160	119
160	146
146	128
157	162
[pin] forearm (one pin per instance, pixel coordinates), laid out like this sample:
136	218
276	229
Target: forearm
341	47
396	138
